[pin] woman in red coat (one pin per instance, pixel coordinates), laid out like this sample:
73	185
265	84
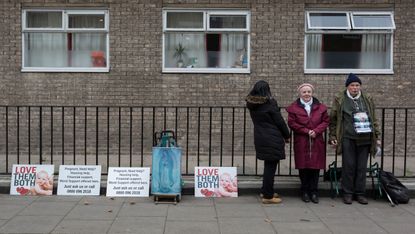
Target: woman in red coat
308	119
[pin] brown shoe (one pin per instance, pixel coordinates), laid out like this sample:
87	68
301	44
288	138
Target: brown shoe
273	200
276	195
362	199
347	199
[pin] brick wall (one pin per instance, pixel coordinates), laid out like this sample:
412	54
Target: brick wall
135	78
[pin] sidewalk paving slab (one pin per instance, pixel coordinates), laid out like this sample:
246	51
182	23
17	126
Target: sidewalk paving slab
138	225
399	228
240	210
302	228
236	225
193	227
94	212
242	215
352	225
191	213
31	224
48	208
132	209
83	226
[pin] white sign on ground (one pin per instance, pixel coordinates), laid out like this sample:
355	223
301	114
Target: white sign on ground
32	180
79	180
216	182
128	182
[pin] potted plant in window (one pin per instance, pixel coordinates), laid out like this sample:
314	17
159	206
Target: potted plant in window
179	54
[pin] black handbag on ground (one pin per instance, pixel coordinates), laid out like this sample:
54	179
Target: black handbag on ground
395	190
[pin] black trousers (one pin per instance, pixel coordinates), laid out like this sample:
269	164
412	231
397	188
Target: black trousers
354	163
309	180
268	179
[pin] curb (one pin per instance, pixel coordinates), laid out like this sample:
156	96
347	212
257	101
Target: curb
287	186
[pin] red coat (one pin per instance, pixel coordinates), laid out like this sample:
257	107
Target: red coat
300	123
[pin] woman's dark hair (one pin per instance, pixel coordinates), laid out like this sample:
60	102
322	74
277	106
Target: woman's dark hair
261	88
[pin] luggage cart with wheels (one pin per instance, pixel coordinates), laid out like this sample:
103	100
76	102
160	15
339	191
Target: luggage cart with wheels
166	164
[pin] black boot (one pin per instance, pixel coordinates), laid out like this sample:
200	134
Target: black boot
362	199
305	197
347	199
314	198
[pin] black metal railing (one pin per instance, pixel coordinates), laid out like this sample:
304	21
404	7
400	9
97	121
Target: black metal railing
208	136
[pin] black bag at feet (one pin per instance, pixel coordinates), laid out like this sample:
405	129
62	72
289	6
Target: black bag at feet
396	190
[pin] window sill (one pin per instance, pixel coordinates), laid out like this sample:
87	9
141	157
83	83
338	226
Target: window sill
347	71
207	70
64	69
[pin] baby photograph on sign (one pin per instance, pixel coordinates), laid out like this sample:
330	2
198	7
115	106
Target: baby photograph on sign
31	180
216	182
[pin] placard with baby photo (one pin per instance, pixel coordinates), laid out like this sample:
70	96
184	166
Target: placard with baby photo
216	182
32	180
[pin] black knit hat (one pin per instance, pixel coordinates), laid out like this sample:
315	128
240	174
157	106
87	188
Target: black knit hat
352	78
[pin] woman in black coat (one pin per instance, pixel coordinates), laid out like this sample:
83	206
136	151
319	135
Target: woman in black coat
270	134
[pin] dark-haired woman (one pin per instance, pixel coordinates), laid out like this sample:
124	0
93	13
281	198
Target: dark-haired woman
270	135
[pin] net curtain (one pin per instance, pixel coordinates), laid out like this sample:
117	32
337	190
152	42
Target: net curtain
62	49
374	54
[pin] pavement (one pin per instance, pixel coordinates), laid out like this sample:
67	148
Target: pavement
244	214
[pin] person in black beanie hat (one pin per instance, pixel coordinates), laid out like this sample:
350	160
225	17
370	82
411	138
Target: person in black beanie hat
352	78
354	131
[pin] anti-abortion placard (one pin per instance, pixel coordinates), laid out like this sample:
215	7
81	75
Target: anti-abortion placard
128	182
79	180
216	182
32	180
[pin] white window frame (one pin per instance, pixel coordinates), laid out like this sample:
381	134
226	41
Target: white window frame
373	13
352	30
183	29
65	28
219	13
206	14
28	29
86	12
329	12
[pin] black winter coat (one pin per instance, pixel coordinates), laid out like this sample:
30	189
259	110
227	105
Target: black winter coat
270	129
